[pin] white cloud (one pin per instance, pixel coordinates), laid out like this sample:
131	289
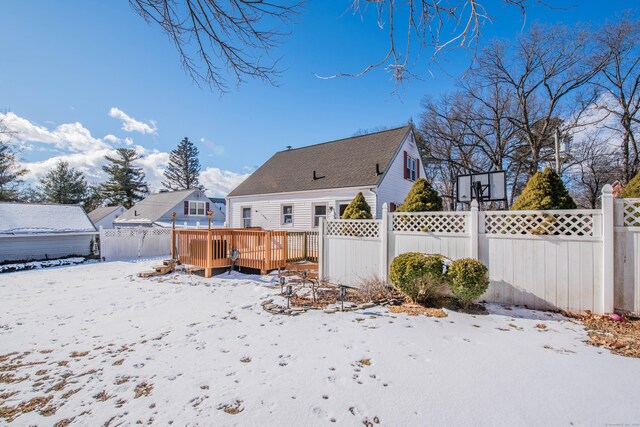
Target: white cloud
111	139
130	124
220	182
212	149
69	136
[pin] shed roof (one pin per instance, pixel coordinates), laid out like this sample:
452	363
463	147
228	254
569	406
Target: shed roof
349	162
98	213
28	218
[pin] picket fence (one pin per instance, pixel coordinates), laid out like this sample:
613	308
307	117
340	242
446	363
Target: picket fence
138	242
558	259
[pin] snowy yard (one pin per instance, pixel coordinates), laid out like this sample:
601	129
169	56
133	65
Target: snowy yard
96	344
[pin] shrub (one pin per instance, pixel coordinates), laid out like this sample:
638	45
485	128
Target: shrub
468	279
421	198
632	189
412	272
358	208
544	190
375	288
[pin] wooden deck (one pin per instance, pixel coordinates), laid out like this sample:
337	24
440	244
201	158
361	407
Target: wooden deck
211	248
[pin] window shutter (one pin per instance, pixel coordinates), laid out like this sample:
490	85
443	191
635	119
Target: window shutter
417	168
206	208
406	170
186	207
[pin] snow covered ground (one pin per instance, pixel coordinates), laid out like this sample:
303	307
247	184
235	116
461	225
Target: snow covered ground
99	344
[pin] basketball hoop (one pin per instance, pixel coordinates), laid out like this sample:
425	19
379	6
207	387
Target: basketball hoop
483	187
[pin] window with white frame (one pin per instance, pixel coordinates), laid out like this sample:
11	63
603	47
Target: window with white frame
319	211
246	217
197	208
342	206
287	214
412	168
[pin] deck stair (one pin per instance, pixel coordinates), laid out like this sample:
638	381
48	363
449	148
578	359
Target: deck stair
168	266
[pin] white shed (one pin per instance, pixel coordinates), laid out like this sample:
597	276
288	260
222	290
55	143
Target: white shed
38	231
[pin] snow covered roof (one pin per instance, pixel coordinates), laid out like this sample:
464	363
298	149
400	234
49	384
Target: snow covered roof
25	218
154	206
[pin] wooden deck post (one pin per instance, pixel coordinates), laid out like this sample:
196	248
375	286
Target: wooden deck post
267	256
285	250
305	236
173	235
208	272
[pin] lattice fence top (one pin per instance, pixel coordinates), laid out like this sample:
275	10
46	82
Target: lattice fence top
136	231
353	227
539	223
430	223
630	212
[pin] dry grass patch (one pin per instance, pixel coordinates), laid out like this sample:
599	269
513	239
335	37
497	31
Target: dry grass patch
122	380
118	362
70	393
37	403
12	378
621	338
416	310
143	389
77	354
232	408
102	396
63	423
364	362
246	359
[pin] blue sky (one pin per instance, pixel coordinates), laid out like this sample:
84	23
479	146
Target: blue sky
66	65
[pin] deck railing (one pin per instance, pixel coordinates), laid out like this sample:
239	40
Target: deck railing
302	246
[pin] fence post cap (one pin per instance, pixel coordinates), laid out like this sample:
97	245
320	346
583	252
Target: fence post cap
607	189
474	204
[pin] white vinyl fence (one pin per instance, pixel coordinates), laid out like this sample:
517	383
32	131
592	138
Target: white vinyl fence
120	243
569	259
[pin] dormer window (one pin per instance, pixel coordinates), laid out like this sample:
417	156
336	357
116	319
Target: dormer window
411	167
197	208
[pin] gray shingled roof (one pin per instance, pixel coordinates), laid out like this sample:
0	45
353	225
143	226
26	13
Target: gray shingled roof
98	213
349	162
154	206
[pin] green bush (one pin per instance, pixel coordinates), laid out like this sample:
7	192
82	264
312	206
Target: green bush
358	208
413	272
468	279
632	189
421	198
544	190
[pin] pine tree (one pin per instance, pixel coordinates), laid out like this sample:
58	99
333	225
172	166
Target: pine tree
184	167
632	189
357	209
421	198
10	173
93	199
126	184
63	184
544	190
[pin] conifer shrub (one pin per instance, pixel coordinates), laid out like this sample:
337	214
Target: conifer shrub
421	198
358	208
468	279
632	189
544	190
417	275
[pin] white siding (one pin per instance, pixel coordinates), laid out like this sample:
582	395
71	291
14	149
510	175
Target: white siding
266	209
39	247
107	221
394	188
179	210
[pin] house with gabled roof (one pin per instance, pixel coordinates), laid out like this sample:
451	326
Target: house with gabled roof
104	216
156	210
297	187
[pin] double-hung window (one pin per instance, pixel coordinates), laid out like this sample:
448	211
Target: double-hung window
246	217
197	208
287	214
412	168
319	212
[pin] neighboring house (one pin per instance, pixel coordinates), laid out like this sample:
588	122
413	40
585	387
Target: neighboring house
220	203
103	217
39	231
190	206
295	188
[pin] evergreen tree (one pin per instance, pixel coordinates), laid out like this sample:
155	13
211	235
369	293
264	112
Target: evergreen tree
421	198
63	184
184	167
357	209
632	189
94	198
10	173
126	184
544	190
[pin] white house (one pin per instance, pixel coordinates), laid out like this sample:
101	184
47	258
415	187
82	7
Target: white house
190	206
103	217
40	231
297	187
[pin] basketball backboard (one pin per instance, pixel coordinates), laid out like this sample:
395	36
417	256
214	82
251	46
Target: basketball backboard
486	187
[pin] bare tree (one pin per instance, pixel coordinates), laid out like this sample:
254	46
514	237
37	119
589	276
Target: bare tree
547	70
621	83
214	36
10	169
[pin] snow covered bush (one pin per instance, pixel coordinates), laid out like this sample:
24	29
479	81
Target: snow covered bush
632	189
358	208
468	279
417	275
